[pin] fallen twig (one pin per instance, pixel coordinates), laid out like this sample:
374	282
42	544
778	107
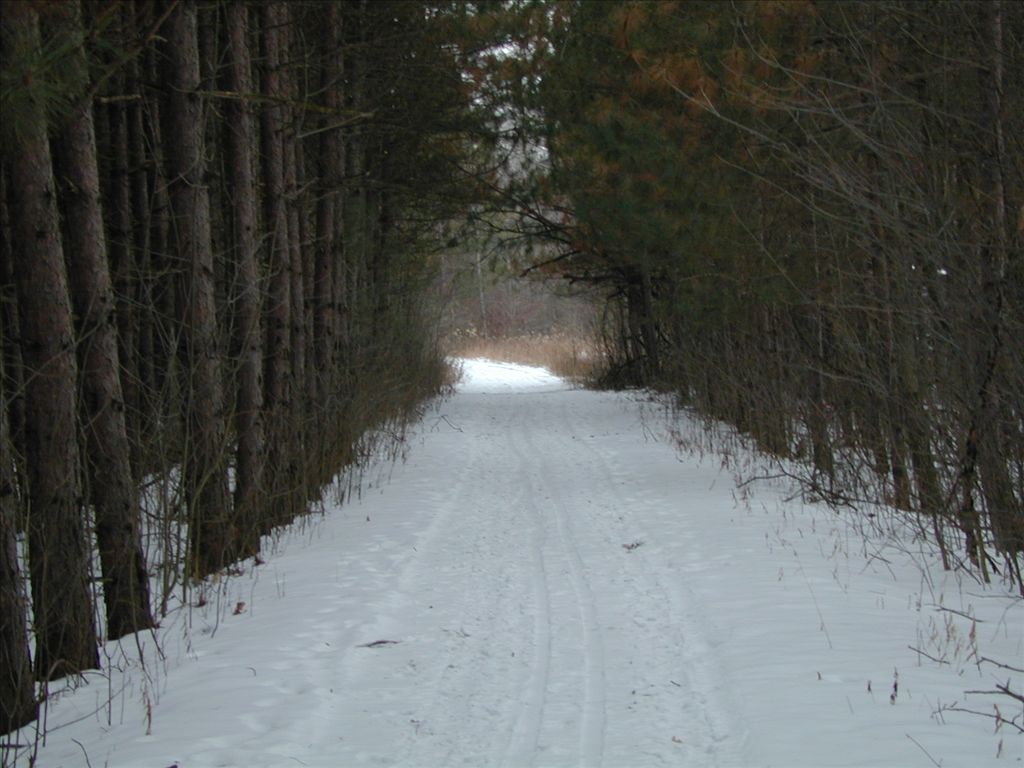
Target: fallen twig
927	655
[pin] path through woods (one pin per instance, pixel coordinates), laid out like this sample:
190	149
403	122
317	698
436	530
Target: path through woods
545	582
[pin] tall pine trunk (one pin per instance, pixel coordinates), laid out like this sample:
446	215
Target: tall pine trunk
17	696
205	478
112	490
299	461
328	268
248	341
1004	507
282	461
139	161
112	130
58	552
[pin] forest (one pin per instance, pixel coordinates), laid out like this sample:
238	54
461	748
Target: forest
227	231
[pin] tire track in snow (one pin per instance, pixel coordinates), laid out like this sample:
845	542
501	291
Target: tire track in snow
475	598
538	736
446	601
696	675
575	651
592	724
525	738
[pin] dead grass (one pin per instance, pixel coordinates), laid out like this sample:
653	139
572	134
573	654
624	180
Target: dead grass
572	357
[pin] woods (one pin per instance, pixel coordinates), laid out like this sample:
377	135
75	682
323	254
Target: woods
807	220
223	225
216	238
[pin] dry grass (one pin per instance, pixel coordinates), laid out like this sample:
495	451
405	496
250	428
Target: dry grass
572	357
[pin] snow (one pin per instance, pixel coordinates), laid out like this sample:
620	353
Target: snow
547	581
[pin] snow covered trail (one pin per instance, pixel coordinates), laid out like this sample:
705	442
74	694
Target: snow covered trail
545	582
524	631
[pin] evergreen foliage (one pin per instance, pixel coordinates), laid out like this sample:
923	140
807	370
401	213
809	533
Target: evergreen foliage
804	214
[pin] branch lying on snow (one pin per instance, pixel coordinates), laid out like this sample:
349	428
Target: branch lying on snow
447	421
999	664
927	655
997	716
926	752
1005	689
958	613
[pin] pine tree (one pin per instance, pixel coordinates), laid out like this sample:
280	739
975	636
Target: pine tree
210	540
58	550
242	134
17	694
111	486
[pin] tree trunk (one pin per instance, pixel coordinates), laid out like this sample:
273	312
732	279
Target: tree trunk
58	552
278	374
159	324
14	380
649	327
248	340
323	287
123	269
17	695
327	262
298	462
112	490
205	479
1004	508
140	160
329	266
355	203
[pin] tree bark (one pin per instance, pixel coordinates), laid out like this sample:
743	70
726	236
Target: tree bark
140	163
112	490
299	462
249	403
17	695
163	276
205	478
328	285
278	373
1004	508
58	552
121	254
